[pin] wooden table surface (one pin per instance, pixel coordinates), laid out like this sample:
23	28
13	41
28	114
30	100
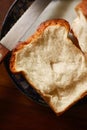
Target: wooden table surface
18	112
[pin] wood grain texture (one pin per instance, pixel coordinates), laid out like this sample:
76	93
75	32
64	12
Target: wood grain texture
18	112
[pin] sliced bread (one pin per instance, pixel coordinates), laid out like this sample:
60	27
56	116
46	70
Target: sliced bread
54	66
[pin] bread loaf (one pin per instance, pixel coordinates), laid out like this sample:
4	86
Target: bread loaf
79	25
54	66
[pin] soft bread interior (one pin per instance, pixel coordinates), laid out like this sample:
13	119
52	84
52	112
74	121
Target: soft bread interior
79	27
55	67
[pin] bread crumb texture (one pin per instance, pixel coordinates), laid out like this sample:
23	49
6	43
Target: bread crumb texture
55	67
79	25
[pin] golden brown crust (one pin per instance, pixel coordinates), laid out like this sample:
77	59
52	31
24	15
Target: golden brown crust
47	23
83	7
13	56
21	45
38	32
75	40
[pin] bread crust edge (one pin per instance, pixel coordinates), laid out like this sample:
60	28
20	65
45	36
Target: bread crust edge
21	45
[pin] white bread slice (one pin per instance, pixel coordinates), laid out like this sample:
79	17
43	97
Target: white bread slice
79	25
53	65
